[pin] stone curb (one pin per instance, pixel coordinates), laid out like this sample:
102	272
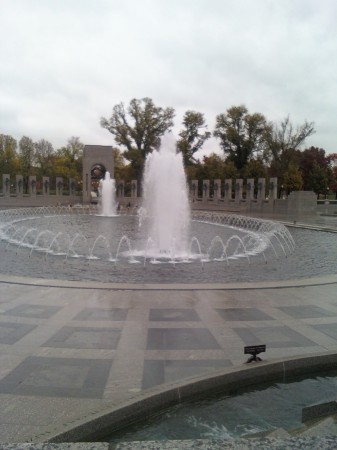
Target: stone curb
103	423
65	284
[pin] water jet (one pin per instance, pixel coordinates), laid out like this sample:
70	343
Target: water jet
107	191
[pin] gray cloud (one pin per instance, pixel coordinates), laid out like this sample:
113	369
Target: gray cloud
65	64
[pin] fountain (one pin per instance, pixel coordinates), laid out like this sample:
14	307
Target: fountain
163	231
108	196
165	212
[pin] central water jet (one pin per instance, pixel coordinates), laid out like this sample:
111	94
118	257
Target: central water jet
165	210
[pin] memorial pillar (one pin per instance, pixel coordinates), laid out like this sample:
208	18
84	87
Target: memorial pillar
6	185
273	188
32	185
250	189
134	188
59	186
19	185
205	190
194	189
228	189
45	186
72	186
238	190
261	189
120	188
217	189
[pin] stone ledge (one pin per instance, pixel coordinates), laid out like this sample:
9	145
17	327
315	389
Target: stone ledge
99	425
308	443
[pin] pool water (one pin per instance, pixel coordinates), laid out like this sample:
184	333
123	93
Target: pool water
314	254
259	409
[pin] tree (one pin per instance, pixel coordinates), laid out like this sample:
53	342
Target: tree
333	164
255	169
68	163
282	140
292	179
138	129
316	170
122	170
45	156
319	181
8	155
192	137
75	148
241	134
27	159
212	167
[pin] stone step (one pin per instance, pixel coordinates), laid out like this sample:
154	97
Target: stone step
276	433
319	427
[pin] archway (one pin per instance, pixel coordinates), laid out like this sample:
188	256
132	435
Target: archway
97	174
97	159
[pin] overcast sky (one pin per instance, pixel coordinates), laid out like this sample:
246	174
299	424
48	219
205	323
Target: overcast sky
65	63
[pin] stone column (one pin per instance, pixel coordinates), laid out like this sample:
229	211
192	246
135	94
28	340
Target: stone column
134	189
250	189
32	185
205	190
45	186
59	186
19	185
72	186
217	189
120	188
238	190
273	188
228	189
6	185
261	189
194	189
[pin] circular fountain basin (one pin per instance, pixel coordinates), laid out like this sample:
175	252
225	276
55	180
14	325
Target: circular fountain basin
79	244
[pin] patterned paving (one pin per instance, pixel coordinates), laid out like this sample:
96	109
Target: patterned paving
84	337
81	349
13	332
164	371
56	377
180	339
34	311
276	337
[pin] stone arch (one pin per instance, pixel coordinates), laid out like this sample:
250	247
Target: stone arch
97	174
97	160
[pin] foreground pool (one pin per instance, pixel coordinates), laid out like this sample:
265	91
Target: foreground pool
262	409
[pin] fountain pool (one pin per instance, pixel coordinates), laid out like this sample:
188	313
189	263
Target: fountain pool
259	409
161	242
78	244
160	235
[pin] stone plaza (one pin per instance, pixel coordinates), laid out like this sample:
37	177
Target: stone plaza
72	352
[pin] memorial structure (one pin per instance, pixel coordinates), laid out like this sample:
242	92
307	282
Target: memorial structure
97	159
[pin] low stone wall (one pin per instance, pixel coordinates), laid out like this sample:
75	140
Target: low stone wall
39	200
327	207
297	203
